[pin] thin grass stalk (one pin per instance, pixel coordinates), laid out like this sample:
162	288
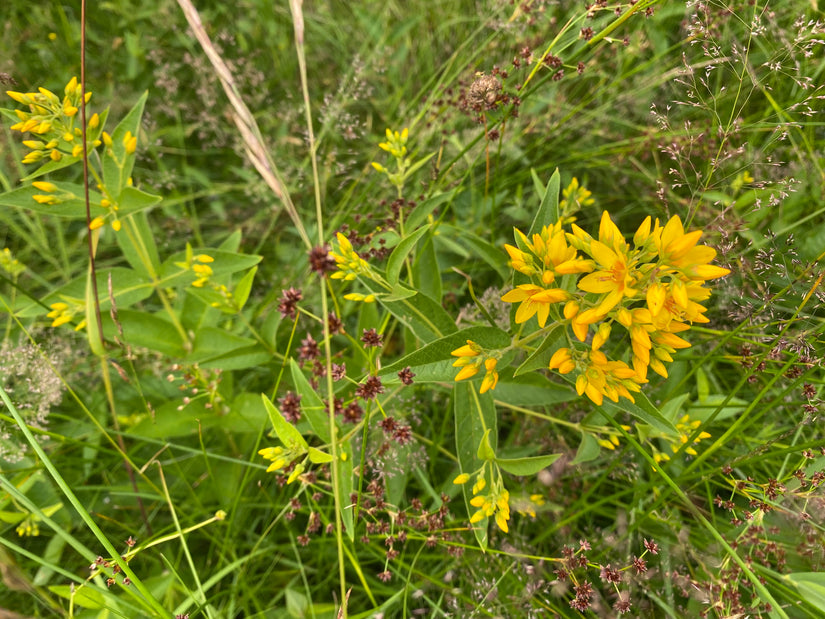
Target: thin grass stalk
298	25
245	121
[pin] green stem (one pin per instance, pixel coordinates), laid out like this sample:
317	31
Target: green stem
298	25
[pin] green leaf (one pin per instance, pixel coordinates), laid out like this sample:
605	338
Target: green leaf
494	256
243	288
433	362
311	403
213	343
427	271
532	390
132	200
117	167
145	330
539	187
702	386
139	248
527	466
485	449
239	358
93	329
475	415
588	449
287	433
13	517
548	212
540	358
423	209
645	410
396	260
128	288
811	586
174	419
423	316
345	487
296	603
317	456
83	596
399	292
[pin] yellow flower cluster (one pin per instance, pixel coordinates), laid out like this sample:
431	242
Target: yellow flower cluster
52	120
10	264
686	426
199	265
396	145
652	289
281	458
350	266
63	313
471	358
495	502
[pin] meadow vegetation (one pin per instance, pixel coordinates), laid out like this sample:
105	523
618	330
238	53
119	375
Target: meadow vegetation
400	309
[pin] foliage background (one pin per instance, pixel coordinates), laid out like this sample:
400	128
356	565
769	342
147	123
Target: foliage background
669	112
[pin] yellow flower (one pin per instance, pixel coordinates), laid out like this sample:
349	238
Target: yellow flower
490	379
607	378
678	250
534	300
396	143
471	358
615	277
350	264
575	197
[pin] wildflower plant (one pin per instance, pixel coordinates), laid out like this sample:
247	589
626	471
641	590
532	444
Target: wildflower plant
598	310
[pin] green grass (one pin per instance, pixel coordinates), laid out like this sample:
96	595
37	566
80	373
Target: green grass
136	452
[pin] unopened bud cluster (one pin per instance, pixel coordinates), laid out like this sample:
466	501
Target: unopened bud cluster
51	120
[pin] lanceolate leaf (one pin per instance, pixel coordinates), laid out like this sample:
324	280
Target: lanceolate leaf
548	212
117	168
287	433
400	253
527	466
423	316
311	404
475	415
644	410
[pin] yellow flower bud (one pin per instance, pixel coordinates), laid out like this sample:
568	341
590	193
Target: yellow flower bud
116	225
19	97
97	222
56	155
107	139
94	121
45	199
44	186
461	479
77	150
70	87
33	157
